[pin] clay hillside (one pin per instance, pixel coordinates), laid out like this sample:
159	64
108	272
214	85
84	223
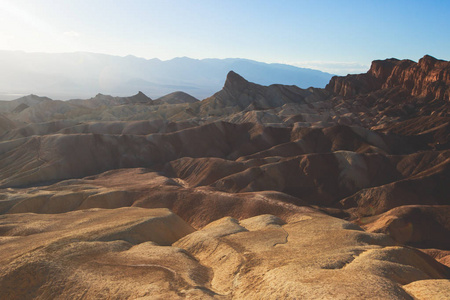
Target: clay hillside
256	192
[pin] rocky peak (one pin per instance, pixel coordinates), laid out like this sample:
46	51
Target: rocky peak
99	95
381	69
141	97
427	62
235	81
429	78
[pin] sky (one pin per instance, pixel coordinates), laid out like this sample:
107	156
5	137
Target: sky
339	37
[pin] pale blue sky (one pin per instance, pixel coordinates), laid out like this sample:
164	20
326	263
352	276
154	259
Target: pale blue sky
336	36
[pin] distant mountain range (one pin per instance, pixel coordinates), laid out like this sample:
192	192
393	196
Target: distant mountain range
81	75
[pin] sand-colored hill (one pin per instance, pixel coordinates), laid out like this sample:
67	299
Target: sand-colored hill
147	253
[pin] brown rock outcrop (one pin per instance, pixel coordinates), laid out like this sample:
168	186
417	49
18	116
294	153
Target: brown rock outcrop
429	78
353	85
239	94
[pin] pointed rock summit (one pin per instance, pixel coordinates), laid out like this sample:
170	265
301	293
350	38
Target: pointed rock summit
239	94
140	98
427	62
235	81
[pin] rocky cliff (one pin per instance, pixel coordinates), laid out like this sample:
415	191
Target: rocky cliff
428	78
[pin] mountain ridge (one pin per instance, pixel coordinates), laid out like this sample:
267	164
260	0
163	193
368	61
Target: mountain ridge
78	75
428	78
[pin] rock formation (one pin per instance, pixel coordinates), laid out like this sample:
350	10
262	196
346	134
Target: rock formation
255	192
429	78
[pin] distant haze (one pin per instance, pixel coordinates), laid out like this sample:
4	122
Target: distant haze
82	75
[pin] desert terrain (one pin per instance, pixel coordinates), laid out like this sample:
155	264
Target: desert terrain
255	192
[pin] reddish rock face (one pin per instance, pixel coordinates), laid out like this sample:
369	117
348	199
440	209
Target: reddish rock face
429	78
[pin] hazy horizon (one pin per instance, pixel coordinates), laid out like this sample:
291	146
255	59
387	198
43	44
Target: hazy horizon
64	76
335	37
